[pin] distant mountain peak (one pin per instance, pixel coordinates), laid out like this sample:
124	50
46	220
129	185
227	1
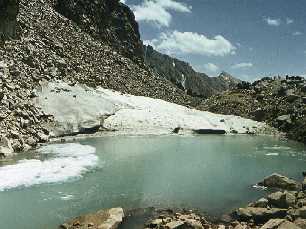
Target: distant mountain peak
229	78
182	75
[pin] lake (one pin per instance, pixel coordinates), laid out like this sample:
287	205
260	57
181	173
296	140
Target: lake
213	174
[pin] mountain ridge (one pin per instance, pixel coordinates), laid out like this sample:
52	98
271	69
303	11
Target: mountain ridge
183	76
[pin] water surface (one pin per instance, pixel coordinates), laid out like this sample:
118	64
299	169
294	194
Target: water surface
214	174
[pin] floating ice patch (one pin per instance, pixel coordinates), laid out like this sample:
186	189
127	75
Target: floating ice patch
277	147
66	161
67	197
259	187
272	154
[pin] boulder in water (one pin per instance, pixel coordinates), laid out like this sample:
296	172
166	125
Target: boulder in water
280	181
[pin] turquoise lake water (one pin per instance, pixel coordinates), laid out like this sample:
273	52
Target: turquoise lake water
214	174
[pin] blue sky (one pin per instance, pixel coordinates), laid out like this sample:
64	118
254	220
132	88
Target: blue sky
247	38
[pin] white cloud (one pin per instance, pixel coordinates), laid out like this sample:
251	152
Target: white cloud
289	21
242	65
211	67
297	33
273	22
123	1
157	11
192	43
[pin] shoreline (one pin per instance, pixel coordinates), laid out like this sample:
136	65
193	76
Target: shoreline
269	212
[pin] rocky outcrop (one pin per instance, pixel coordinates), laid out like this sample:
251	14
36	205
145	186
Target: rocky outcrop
281	209
279	224
6	148
278	101
259	215
103	219
281	182
8	18
109	20
185	77
179	220
282	199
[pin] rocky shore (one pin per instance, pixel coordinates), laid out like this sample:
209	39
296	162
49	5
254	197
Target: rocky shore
283	208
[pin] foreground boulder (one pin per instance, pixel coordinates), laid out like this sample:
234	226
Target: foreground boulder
183	220
282	199
259	215
279	224
304	184
301	223
8	13
104	219
280	181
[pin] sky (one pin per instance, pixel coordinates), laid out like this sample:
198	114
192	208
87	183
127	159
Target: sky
247	38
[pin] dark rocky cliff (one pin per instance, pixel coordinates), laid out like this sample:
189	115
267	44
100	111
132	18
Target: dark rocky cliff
185	77
109	20
8	13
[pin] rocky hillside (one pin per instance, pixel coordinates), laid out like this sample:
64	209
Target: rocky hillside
51	47
279	101
185	77
108	20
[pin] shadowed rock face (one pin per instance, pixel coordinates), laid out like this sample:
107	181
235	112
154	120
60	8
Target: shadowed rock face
109	20
8	13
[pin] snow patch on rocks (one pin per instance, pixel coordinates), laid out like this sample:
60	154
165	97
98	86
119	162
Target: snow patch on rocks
79	108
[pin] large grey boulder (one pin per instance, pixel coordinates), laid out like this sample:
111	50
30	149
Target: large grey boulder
279	224
8	14
298	213
259	215
300	223
104	219
304	184
279	181
261	203
6	148
282	199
